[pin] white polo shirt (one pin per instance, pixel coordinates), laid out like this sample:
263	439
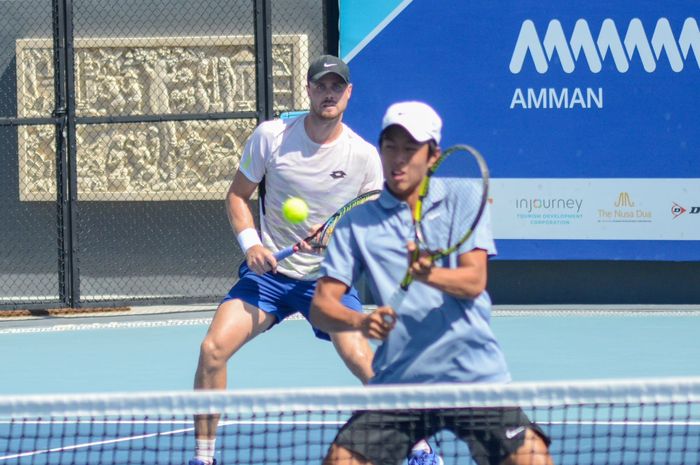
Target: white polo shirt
327	176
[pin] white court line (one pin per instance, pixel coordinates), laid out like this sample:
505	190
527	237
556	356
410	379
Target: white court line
110	325
145	436
555	311
91	444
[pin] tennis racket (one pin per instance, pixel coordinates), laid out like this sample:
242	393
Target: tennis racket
320	238
452	198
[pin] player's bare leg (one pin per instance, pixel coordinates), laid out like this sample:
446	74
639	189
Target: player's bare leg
356	352
234	324
338	455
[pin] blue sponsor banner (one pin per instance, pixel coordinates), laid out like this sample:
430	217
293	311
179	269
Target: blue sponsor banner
587	113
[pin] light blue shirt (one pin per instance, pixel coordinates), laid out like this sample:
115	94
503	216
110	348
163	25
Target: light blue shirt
437	337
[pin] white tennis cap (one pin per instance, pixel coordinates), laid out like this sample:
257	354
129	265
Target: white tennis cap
418	118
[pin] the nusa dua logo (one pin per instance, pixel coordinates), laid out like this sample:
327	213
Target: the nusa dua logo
622	49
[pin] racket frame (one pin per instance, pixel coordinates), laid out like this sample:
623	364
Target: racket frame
424	189
328	226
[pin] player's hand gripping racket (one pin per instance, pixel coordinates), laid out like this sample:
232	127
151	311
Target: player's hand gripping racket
321	237
451	201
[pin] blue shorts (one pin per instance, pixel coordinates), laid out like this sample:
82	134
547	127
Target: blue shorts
282	296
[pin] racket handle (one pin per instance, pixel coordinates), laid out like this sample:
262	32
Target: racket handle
397	299
286	252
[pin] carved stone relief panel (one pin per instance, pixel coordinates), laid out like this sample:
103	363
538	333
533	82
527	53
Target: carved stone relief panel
191	160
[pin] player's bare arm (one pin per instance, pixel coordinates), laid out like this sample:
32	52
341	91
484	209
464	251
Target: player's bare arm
466	281
328	314
258	258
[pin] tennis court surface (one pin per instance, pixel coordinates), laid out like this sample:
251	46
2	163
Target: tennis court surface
648	414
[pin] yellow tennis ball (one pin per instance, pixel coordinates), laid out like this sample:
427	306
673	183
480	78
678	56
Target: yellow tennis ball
295	210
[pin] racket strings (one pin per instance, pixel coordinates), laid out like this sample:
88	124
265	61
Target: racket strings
422	244
324	235
452	203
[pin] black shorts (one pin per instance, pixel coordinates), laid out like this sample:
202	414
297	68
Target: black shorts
386	437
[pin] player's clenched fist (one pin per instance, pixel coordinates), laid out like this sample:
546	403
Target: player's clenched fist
379	323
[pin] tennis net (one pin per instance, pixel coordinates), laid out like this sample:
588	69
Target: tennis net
655	421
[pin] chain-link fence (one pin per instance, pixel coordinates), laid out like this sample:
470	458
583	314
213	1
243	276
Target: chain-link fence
121	126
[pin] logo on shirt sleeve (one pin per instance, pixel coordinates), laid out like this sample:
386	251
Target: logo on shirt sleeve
246	161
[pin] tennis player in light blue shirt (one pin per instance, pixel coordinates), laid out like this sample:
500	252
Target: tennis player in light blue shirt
437	337
441	332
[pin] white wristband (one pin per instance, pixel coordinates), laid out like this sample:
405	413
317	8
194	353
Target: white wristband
248	238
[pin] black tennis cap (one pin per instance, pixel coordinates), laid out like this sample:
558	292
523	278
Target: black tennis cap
328	64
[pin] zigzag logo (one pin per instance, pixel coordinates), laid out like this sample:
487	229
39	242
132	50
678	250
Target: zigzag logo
608	41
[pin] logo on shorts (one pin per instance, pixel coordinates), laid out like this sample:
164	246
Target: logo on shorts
513	432
338	174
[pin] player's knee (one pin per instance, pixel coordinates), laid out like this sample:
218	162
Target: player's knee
212	354
339	456
351	345
329	460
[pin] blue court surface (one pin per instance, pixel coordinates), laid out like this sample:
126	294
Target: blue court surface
160	353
